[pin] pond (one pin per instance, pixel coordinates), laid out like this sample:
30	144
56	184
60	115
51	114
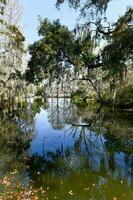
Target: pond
67	153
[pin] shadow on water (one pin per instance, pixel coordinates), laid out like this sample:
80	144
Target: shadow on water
78	153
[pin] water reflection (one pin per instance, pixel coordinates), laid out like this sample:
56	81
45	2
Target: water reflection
77	153
70	141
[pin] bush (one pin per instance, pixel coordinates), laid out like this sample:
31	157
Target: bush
124	96
40	91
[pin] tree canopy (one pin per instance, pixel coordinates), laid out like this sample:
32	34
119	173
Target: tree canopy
51	55
91	5
12	47
60	50
2	4
119	52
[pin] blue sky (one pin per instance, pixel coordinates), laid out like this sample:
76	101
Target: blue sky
46	8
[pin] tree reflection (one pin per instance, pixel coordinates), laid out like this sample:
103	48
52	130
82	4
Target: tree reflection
16	130
94	142
58	112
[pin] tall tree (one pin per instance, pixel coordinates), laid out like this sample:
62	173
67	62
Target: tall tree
51	55
11	46
119	52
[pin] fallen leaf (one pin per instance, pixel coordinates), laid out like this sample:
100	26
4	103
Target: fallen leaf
70	192
86	189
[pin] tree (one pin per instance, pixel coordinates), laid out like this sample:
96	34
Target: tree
60	49
116	55
98	25
93	6
93	14
51	56
119	52
11	49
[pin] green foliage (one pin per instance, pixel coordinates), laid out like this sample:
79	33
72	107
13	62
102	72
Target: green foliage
40	91
16	35
124	96
3	103
50	56
87	6
78	92
2	5
79	97
11	51
37	105
60	49
3	1
119	53
93	13
57	51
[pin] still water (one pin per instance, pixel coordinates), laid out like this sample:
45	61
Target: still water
70	153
